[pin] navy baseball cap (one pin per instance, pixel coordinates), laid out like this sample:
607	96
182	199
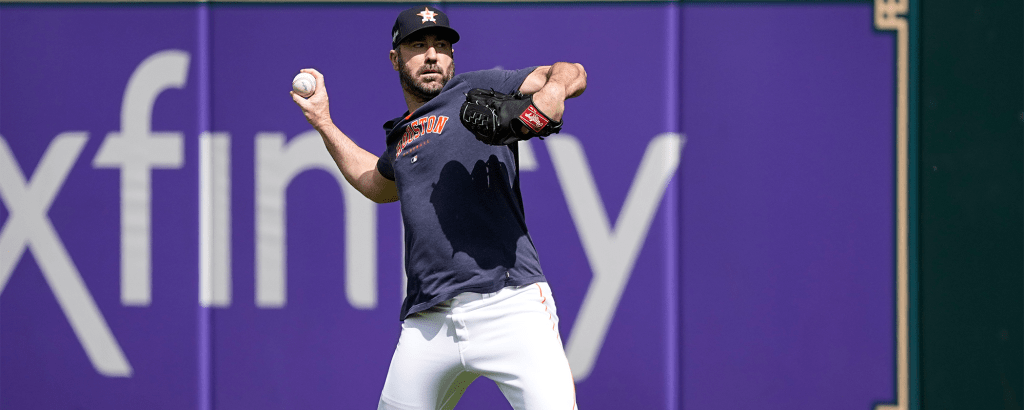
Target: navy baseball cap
421	18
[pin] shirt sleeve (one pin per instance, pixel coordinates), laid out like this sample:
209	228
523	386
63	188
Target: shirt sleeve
514	79
385	167
503	81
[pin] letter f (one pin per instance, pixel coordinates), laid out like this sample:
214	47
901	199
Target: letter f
135	149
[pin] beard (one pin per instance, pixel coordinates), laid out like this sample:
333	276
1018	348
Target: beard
423	91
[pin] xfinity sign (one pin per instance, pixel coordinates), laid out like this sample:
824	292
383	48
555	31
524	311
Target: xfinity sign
610	242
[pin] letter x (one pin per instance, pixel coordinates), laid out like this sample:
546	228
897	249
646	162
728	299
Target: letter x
29	228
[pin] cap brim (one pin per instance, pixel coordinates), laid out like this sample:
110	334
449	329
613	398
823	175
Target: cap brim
449	33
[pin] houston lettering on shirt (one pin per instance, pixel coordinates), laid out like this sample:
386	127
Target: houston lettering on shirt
433	124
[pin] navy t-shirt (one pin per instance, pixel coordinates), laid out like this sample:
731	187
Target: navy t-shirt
464	224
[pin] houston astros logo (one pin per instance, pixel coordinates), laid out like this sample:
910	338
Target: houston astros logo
427	15
417	128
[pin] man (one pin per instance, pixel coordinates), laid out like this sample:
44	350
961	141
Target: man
478	303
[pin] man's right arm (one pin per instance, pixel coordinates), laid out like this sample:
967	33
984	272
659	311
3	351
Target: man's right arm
357	165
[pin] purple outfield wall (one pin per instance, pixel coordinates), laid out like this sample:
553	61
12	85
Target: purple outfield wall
716	219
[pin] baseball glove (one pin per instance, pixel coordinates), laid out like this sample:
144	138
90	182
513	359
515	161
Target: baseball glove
498	119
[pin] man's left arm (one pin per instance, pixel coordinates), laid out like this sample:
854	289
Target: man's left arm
552	85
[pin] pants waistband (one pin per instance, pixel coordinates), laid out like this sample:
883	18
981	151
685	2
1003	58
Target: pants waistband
467	297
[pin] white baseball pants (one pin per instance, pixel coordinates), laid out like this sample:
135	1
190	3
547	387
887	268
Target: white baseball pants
510	336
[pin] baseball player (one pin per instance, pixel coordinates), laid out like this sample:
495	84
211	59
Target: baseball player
478	303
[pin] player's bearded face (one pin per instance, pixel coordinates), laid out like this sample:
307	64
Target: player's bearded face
425	80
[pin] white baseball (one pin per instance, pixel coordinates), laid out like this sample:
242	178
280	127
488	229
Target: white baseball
304	84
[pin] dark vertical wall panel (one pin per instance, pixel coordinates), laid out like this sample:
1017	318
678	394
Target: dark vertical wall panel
971	248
